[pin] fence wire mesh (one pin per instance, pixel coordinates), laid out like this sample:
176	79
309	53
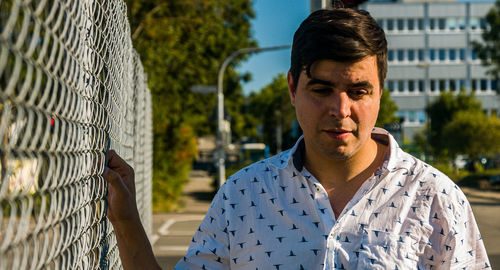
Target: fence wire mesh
71	87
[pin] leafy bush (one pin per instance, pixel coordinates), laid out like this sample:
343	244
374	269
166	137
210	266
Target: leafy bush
173	170
474	180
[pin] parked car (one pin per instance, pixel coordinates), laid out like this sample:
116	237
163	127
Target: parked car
494	180
253	152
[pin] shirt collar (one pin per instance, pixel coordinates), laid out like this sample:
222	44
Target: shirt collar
286	158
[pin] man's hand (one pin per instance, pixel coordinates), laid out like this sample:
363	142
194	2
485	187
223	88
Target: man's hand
122	206
133	244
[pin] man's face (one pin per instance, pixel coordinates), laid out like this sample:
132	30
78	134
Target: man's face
337	106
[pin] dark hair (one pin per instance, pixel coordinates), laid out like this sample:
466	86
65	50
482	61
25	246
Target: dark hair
341	34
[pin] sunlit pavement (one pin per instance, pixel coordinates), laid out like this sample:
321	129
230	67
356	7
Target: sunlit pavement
172	232
487	213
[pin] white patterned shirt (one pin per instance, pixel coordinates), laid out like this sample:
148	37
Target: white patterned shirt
275	215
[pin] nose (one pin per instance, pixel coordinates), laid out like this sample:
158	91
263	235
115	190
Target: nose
340	106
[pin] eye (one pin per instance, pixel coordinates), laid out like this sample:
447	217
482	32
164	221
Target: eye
358	93
322	90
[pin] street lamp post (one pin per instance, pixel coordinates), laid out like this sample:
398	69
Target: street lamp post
220	152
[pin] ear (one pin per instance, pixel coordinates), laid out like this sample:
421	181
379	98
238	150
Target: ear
291	88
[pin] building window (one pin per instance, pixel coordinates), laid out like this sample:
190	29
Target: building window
442	54
390	85
421	116
401	115
433	85
433	23
421	56
474	23
442	85
401	85
494	85
411	85
420	24
390	55
442	24
421	86
483	24
412	116
461	23
380	22
451	24
401	25
411	55
453	55
432	55
401	55
390	24
473	55
461	53
453	85
473	85
462	84
484	85
411	24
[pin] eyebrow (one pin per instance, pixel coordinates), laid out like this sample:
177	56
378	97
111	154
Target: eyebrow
314	81
362	84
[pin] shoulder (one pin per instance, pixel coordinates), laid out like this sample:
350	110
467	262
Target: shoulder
261	168
262	172
443	194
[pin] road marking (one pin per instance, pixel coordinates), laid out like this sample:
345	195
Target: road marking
163	230
154	238
173	248
182	233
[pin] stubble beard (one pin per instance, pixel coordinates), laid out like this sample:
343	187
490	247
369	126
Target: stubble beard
339	150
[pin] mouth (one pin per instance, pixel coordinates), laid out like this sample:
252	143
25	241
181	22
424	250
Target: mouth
339	134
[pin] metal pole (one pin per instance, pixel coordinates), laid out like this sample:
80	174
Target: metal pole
220	152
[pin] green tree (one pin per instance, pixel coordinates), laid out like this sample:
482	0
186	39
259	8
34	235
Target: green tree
387	112
442	112
271	107
473	134
182	43
489	50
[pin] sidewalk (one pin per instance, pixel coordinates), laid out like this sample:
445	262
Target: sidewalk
172	232
482	194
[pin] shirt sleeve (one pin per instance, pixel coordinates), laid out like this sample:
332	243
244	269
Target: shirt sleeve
209	248
456	242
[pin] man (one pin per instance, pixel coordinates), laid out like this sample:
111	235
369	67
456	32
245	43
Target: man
345	196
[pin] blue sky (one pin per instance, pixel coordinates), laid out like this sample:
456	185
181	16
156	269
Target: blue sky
274	24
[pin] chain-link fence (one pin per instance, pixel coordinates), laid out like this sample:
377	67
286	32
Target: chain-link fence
71	87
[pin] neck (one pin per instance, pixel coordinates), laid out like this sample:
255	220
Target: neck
334	173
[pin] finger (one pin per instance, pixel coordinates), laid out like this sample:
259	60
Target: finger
115	161
115	180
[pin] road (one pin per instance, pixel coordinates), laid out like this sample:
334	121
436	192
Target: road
173	231
487	213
